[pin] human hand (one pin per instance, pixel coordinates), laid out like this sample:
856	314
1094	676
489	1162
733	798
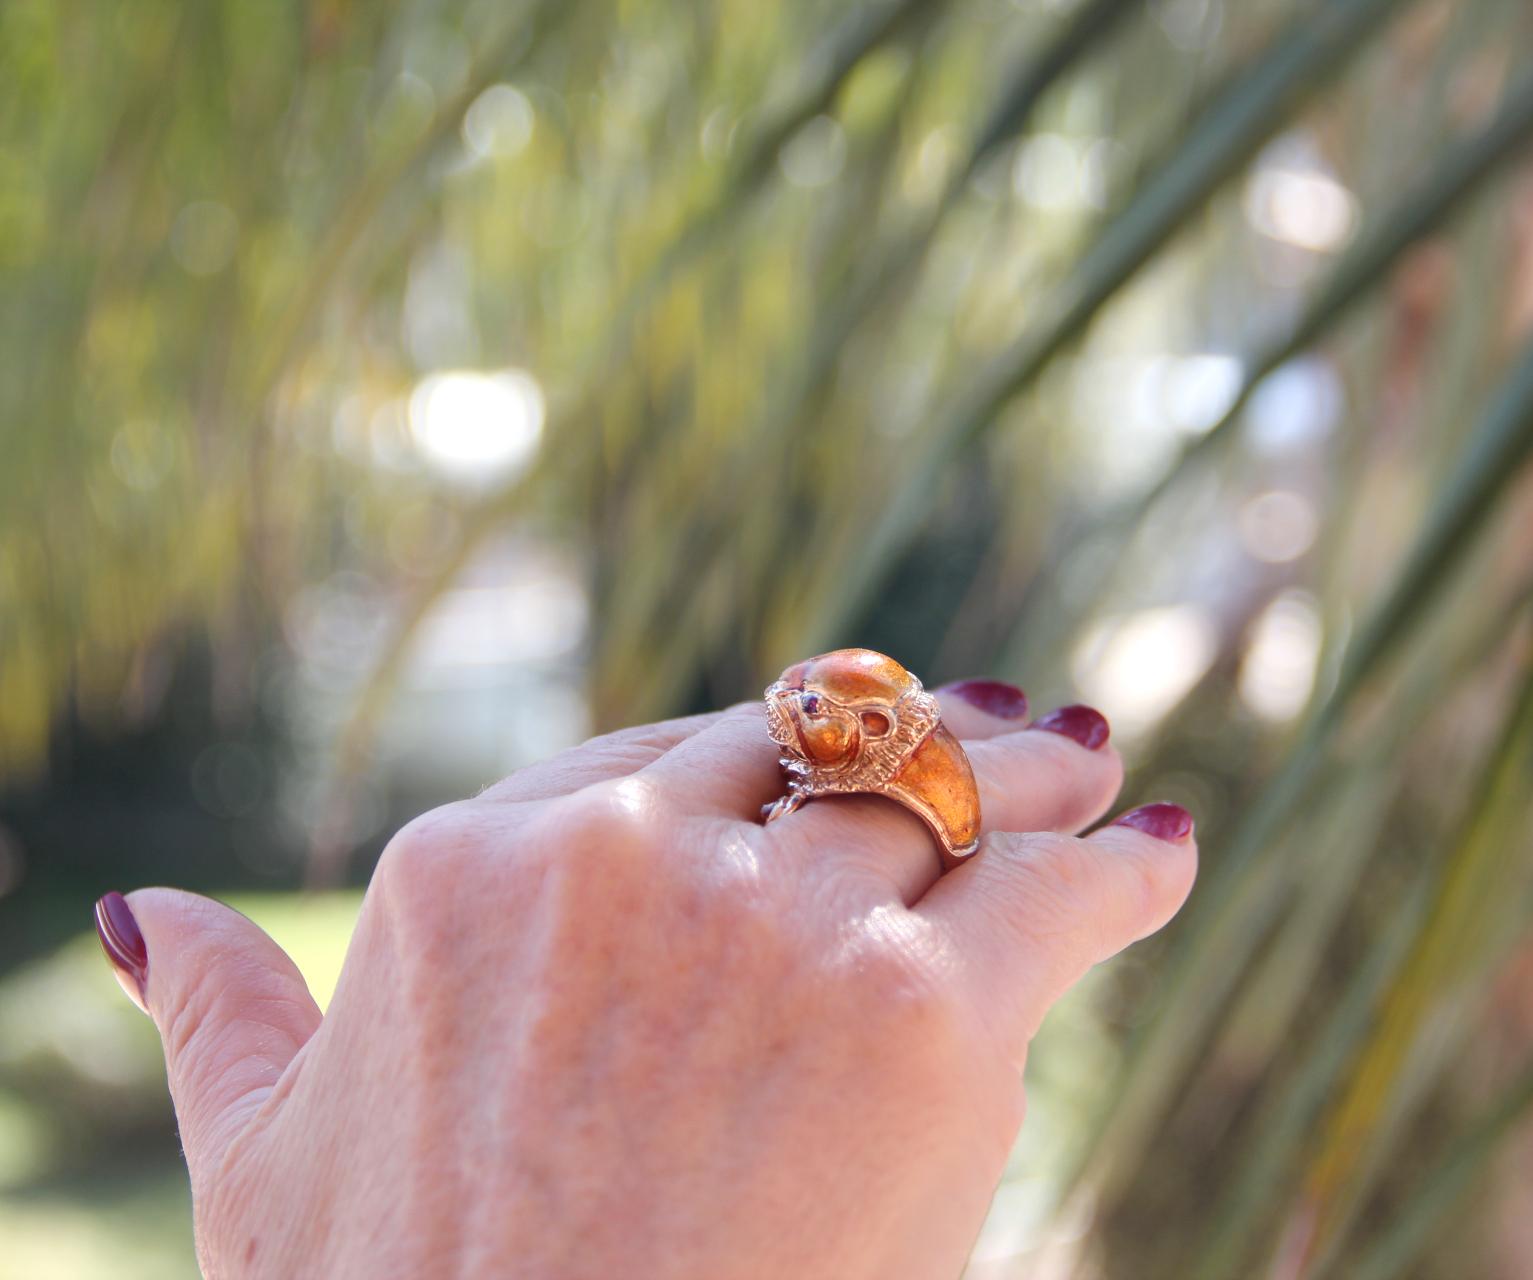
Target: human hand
599	1022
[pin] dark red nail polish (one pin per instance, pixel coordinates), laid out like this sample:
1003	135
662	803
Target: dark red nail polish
122	942
993	697
1163	821
1086	725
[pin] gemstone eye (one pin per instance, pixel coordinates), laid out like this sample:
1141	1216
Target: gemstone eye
811	704
876	723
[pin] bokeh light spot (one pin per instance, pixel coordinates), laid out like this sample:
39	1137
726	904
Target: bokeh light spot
1049	173
1277	526
1294	198
1278	670
499	123
1138	666
475	426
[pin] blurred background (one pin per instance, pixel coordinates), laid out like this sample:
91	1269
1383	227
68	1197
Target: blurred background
393	393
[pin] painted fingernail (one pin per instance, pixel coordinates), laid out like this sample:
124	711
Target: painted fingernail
1086	725
993	697
1163	821
123	944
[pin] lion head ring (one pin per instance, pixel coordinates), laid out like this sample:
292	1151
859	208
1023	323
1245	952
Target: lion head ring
855	721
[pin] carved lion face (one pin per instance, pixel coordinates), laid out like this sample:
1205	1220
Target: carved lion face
828	710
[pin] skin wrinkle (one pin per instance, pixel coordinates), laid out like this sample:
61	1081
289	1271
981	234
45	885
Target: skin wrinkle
186	1041
227	1187
261	1115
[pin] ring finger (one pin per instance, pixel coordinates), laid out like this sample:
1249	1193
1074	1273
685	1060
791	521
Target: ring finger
1058	774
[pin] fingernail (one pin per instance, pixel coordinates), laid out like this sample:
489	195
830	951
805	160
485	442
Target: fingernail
124	945
1086	725
1163	821
993	697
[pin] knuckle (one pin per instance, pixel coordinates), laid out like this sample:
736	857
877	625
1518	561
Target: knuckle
1058	868
611	822
894	978
1049	891
1098	892
432	871
426	847
1151	879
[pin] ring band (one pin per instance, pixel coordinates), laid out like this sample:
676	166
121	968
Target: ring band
855	721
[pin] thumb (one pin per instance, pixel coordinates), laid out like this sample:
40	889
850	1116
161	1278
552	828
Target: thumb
231	1007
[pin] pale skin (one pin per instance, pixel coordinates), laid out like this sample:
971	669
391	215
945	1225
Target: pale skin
599	1021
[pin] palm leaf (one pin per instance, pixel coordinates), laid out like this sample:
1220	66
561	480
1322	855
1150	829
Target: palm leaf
1462	171
1227	914
791	418
1227	133
1445	1185
1457	933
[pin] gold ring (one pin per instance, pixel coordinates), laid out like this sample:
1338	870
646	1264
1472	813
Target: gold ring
855	721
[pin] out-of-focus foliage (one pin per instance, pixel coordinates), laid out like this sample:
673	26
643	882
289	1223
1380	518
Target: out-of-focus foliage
391	392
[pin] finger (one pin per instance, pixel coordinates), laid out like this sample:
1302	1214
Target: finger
231	1008
612	755
728	769
982	708
1032	913
971	708
1060	775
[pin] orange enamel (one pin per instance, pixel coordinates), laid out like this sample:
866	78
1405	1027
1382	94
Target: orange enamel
938	779
918	762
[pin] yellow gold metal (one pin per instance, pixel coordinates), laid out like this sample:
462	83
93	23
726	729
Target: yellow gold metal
855	721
